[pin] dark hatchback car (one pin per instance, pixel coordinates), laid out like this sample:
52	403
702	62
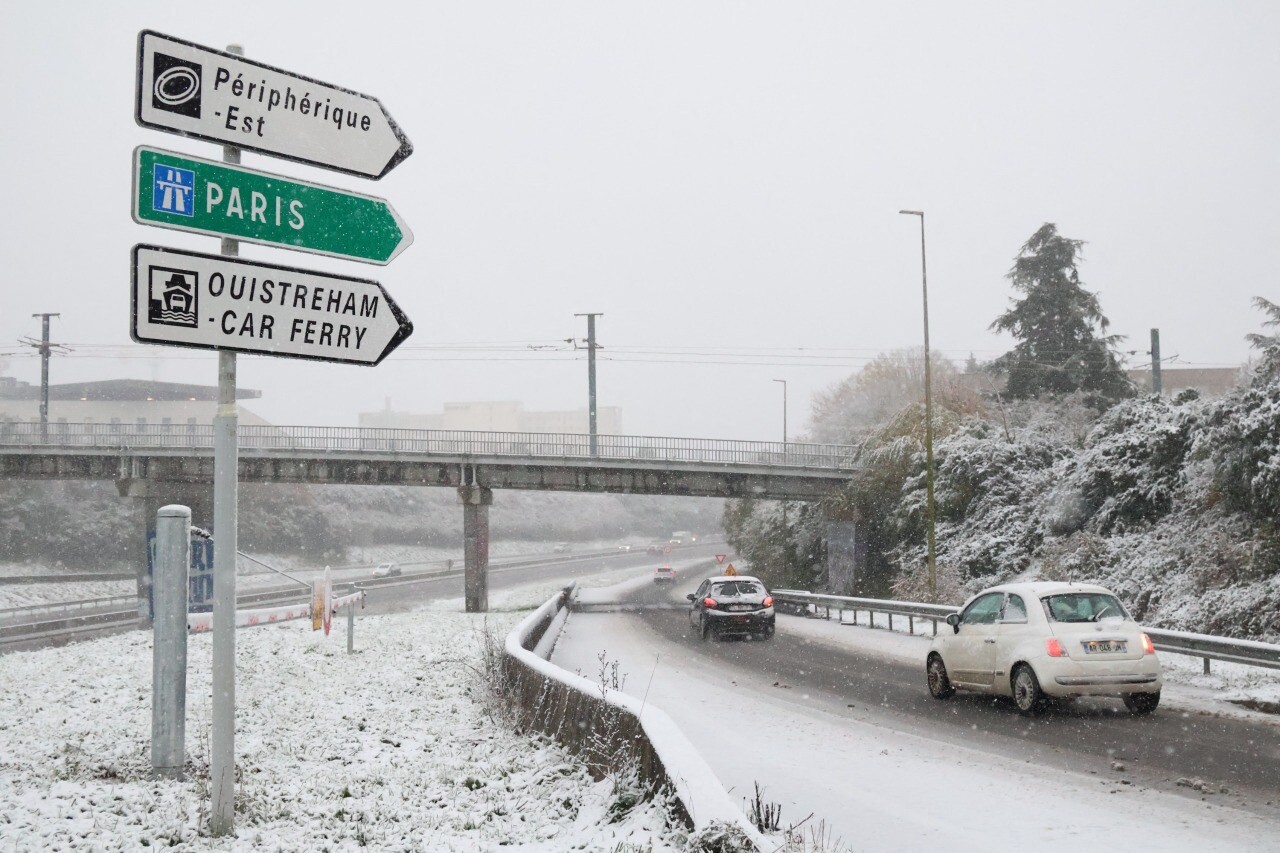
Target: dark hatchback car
732	605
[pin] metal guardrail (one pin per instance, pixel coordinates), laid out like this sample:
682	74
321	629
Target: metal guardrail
1206	646
616	448
16	614
935	613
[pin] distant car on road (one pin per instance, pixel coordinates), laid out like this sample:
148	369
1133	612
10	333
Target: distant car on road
655	548
1033	642
732	605
561	548
386	570
664	574
624	547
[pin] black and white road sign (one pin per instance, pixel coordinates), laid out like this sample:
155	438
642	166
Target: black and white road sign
188	299
209	94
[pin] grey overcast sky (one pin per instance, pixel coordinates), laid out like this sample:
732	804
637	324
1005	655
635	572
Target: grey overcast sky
721	179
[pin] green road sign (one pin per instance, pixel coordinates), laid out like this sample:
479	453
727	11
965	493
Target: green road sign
190	194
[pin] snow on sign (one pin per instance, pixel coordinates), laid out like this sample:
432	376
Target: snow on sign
172	190
209	94
189	299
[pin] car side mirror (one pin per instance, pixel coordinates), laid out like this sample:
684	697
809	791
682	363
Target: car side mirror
953	619
689	596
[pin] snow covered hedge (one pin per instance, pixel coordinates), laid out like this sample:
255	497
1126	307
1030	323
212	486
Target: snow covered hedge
1174	503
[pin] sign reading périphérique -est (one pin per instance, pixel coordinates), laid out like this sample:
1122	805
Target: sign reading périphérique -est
196	91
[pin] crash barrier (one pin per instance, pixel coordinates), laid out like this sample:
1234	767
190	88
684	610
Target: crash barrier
798	601
1205	646
612	731
24	614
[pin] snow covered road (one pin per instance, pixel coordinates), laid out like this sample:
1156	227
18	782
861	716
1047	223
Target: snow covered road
887	777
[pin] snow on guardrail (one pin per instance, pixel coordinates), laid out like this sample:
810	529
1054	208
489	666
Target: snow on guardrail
664	750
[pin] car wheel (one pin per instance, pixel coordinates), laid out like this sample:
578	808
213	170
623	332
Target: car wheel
939	682
706	629
1141	703
1026	691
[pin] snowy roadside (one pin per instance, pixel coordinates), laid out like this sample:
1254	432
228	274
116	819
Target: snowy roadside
394	747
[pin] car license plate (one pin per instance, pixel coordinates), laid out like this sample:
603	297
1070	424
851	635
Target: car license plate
1103	646
741	607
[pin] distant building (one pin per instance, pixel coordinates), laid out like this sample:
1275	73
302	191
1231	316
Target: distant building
119	401
1209	381
499	416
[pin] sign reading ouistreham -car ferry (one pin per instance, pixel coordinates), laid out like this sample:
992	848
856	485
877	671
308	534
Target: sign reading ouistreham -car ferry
189	299
208	94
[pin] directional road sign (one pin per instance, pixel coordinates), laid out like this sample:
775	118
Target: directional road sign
174	190
197	91
188	299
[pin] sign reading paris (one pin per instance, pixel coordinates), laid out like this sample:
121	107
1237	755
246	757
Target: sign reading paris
174	190
196	91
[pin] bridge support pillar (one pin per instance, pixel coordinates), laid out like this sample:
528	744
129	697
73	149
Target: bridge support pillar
846	554
475	550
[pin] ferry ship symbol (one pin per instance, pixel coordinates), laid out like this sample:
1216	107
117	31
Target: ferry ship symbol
175	303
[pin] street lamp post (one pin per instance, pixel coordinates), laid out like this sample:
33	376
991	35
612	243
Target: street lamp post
930	510
784	413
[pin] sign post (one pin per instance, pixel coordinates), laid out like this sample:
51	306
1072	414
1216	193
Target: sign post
219	96
186	193
226	473
221	303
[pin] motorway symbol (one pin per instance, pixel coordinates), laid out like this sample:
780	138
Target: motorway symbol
196	91
720	558
189	299
174	190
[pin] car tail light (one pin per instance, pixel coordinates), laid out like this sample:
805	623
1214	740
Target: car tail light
1054	648
768	601
709	603
1148	647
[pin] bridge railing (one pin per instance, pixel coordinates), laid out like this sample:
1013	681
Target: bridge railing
629	448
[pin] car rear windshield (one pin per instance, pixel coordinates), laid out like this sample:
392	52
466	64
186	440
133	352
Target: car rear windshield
1083	607
732	588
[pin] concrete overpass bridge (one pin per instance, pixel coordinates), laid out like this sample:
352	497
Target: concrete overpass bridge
173	463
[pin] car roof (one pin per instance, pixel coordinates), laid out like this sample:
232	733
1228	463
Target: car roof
735	578
1038	589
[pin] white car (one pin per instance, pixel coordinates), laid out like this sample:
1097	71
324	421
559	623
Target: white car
1035	641
386	570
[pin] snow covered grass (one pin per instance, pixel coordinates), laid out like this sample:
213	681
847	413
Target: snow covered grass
399	746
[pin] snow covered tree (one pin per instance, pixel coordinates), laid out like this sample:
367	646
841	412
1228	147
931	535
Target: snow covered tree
1268	367
1062	346
872	397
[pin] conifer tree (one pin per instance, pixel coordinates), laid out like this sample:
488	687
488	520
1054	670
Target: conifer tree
1060	328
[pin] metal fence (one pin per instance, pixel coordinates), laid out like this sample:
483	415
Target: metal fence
1247	652
631	448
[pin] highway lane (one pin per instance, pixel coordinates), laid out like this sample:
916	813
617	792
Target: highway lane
399	598
1239	760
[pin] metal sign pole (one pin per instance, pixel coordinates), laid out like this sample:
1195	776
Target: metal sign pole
222	784
169	650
